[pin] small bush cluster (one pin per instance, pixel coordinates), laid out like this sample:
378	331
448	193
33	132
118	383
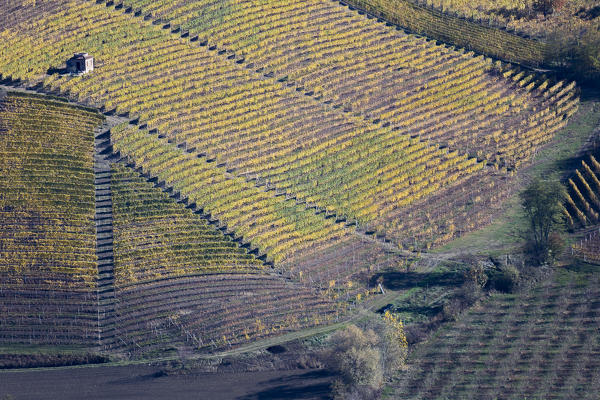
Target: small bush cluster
365	358
504	279
464	298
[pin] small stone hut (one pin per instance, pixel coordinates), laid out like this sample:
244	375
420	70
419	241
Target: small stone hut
80	63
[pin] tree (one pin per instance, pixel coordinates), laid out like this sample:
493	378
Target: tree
578	56
587	58
365	358
355	356
547	7
542	201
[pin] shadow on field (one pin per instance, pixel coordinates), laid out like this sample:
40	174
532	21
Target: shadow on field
407	280
589	92
429	311
582	267
294	387
568	165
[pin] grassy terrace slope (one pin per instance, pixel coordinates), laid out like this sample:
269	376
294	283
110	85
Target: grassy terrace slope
542	344
368	147
47	237
182	285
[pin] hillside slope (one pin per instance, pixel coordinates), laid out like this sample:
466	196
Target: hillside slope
47	237
385	135
180	284
542	343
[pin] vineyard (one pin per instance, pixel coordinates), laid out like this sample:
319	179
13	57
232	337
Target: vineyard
539	344
558	34
360	132
526	17
156	238
468	28
280	228
47	240
181	284
588	248
407	83
582	205
255	163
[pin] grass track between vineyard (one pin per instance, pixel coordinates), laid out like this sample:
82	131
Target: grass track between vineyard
556	161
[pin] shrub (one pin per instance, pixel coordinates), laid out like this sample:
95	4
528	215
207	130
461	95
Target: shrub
394	344
542	204
547	7
464	298
556	245
577	56
365	358
476	274
355	357
504	280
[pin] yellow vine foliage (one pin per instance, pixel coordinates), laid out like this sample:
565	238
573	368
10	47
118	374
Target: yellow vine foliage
397	327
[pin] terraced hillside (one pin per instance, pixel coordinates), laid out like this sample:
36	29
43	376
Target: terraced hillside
542	344
47	237
369	147
377	72
181	284
282	230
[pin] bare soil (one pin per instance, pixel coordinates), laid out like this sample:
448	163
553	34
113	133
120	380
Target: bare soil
148	382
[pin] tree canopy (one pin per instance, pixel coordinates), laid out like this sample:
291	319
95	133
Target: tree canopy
542	203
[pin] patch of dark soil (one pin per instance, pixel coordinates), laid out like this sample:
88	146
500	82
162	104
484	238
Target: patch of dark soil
588	14
146	382
276	349
313	384
407	280
10	361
